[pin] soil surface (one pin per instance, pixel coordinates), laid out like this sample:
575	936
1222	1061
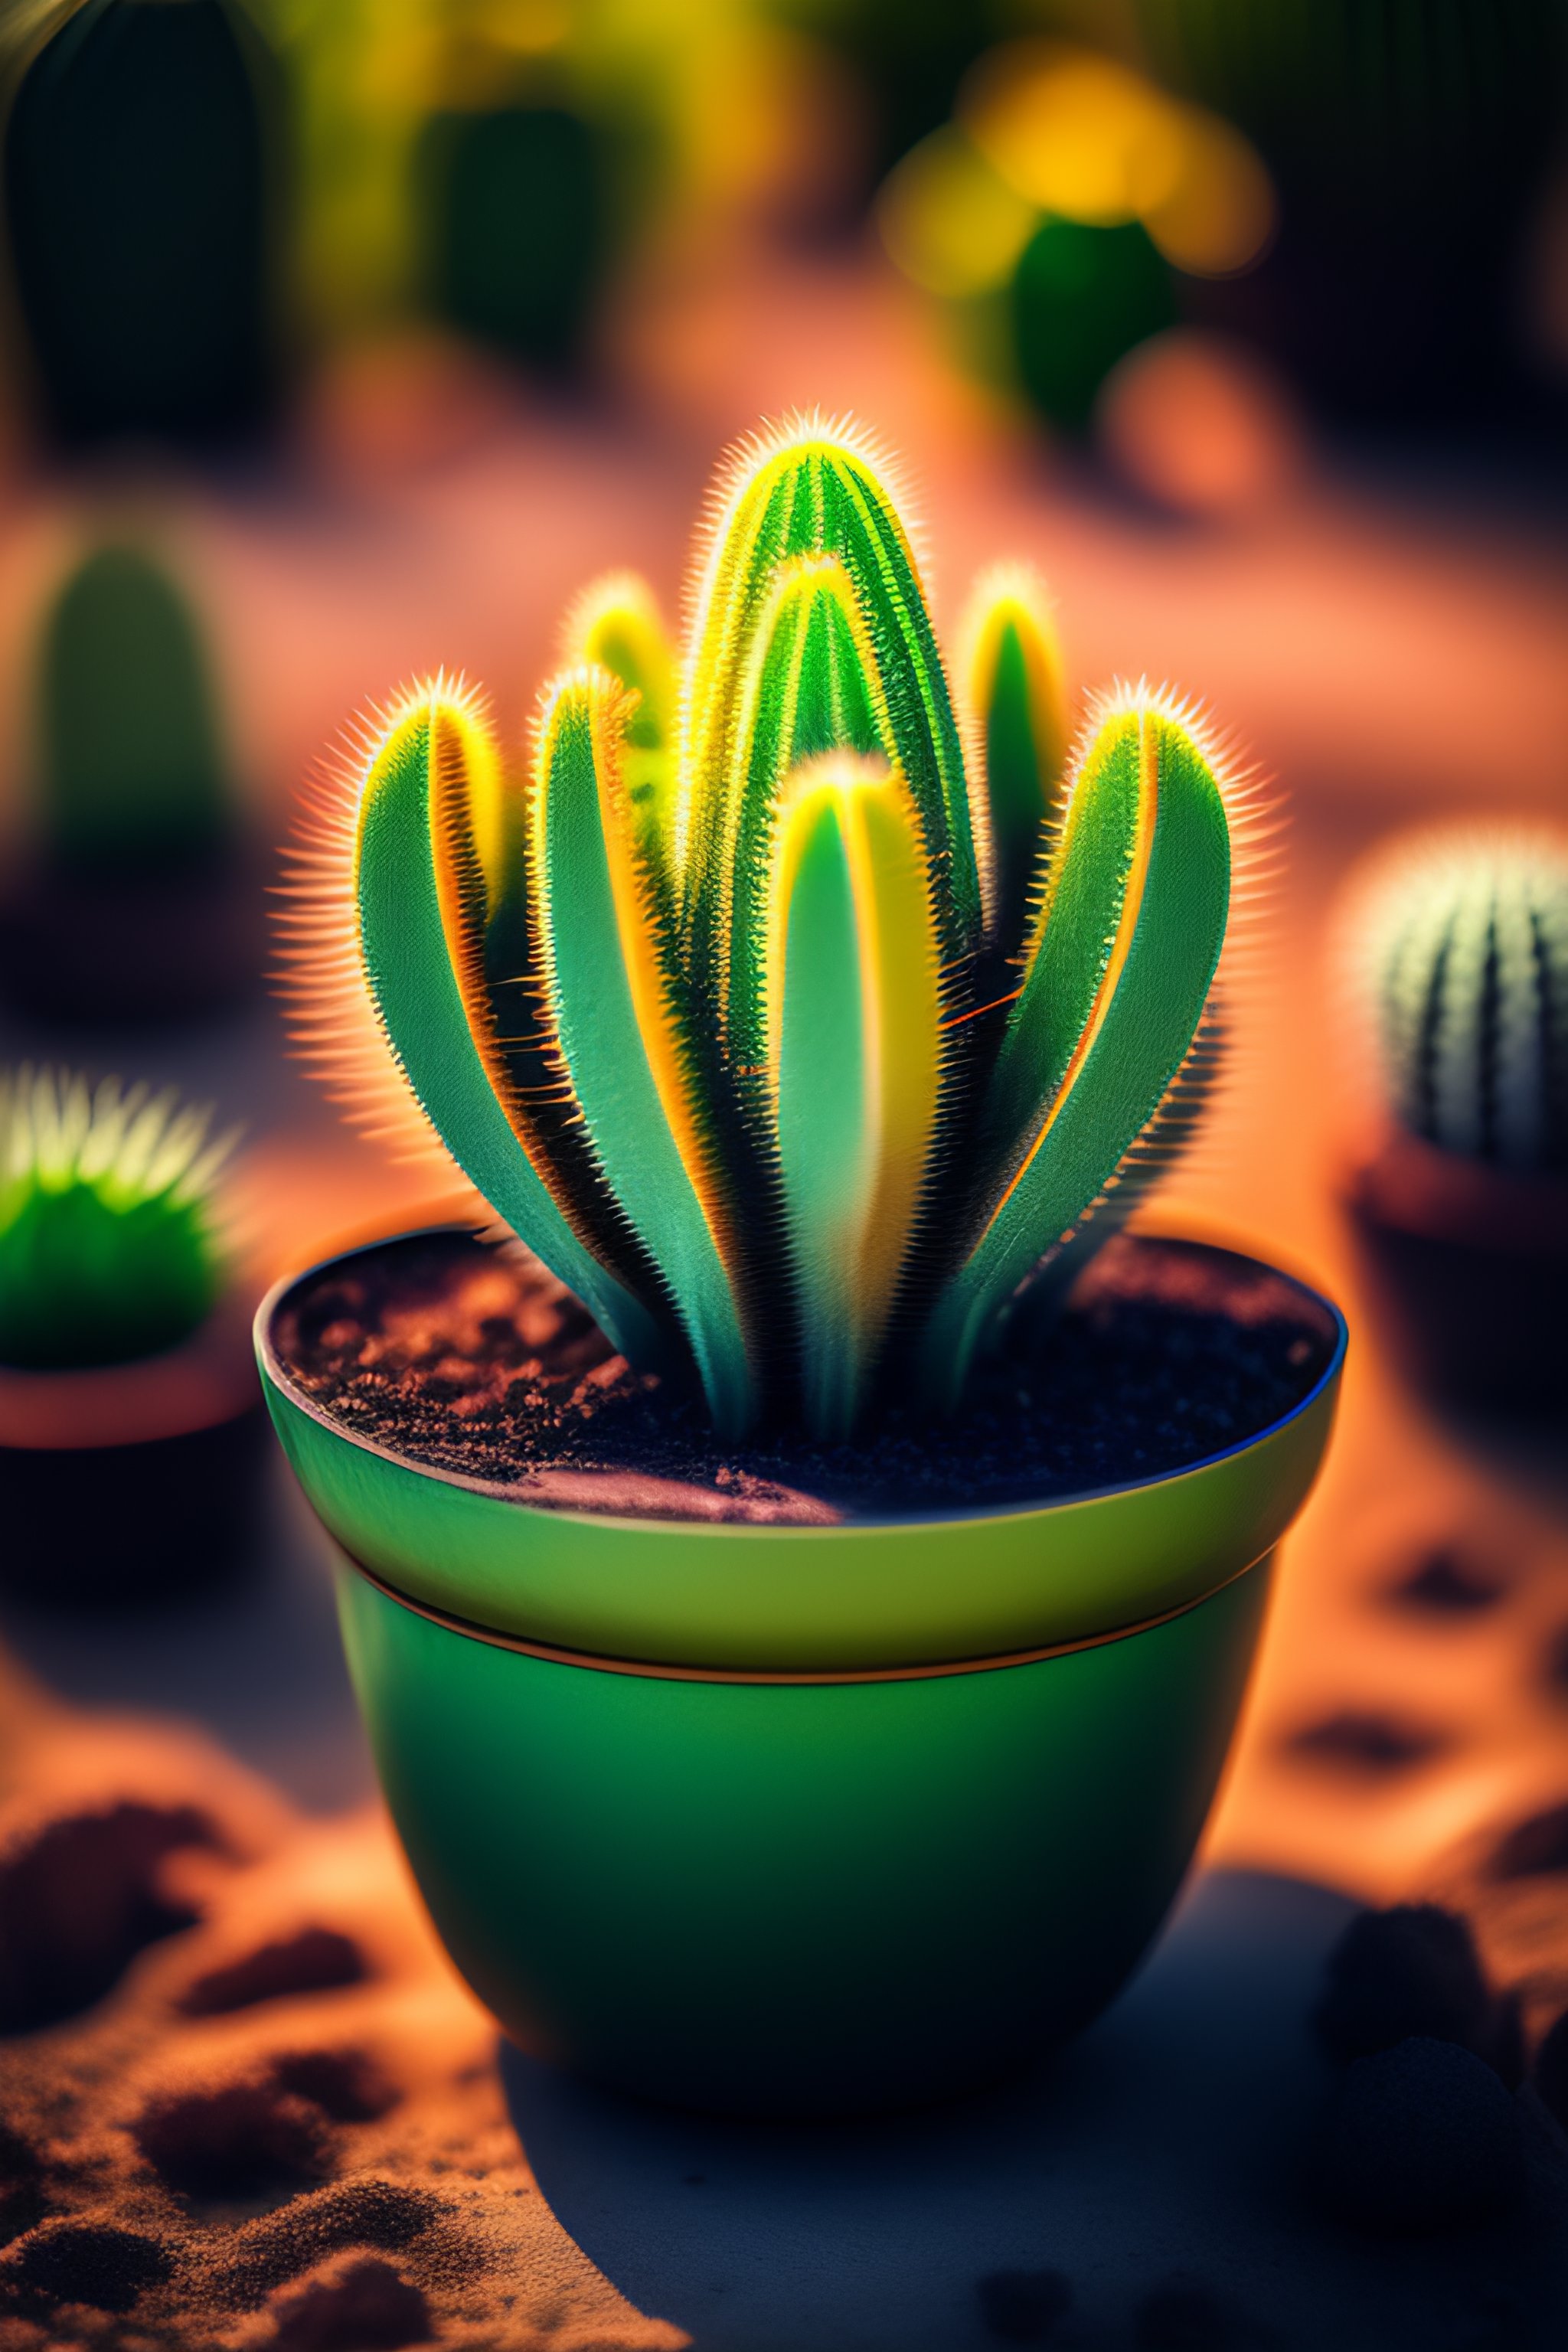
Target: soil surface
457	1354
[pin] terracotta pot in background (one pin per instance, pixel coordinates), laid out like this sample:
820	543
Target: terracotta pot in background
131	1483
1464	1268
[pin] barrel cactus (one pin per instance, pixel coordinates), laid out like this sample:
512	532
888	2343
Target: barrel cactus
110	1248
1461	946
795	1025
132	771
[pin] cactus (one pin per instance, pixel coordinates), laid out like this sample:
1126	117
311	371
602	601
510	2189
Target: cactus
1461	947
131	776
516	206
138	171
109	1250
707	1005
1082	298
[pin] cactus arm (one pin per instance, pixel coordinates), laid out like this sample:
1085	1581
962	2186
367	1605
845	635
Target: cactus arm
1017	693
810	691
615	626
409	887
1107	1043
855	1063
608	967
818	496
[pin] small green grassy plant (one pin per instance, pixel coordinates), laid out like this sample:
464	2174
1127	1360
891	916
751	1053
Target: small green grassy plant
108	1244
794	1021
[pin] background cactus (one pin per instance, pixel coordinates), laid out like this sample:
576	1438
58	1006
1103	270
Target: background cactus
139	196
132	774
108	1245
1460	945
791	1045
516	207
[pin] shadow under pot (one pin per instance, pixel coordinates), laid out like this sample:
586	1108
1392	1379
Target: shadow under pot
126	1484
1465	1269
726	1779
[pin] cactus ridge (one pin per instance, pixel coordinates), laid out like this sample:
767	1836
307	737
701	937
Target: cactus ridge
1462	941
798	1022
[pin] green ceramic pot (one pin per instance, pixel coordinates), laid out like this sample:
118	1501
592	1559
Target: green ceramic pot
799	1819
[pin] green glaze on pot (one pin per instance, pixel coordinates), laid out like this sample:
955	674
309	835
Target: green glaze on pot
773	1898
796	1829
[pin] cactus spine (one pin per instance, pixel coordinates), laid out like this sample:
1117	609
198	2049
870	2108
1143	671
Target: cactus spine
706	1010
1465	947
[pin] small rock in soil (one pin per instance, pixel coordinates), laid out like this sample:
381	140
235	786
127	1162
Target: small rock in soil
318	1959
1416	2139
107	2269
1410	1970
1355	1741
234	2141
1534	1848
1445	1583
79	1901
345	2083
366	2308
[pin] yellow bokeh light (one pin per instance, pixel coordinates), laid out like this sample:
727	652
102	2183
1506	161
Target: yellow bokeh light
1220	215
1074	131
947	219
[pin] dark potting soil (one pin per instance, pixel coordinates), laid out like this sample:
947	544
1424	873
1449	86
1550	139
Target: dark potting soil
467	1358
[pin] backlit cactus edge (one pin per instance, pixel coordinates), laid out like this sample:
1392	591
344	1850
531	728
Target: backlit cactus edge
794	1024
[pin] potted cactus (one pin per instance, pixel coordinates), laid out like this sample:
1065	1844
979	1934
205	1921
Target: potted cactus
136	898
128	1415
799	1639
140	202
1456	1191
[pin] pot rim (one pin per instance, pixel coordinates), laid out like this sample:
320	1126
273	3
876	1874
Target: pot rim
275	1372
664	1670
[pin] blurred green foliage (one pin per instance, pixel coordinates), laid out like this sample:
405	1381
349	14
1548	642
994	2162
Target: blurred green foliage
132	774
107	1247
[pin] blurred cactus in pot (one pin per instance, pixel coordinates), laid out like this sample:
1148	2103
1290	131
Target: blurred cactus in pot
1065	212
140	180
795	1025
108	1243
132	778
1460	947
